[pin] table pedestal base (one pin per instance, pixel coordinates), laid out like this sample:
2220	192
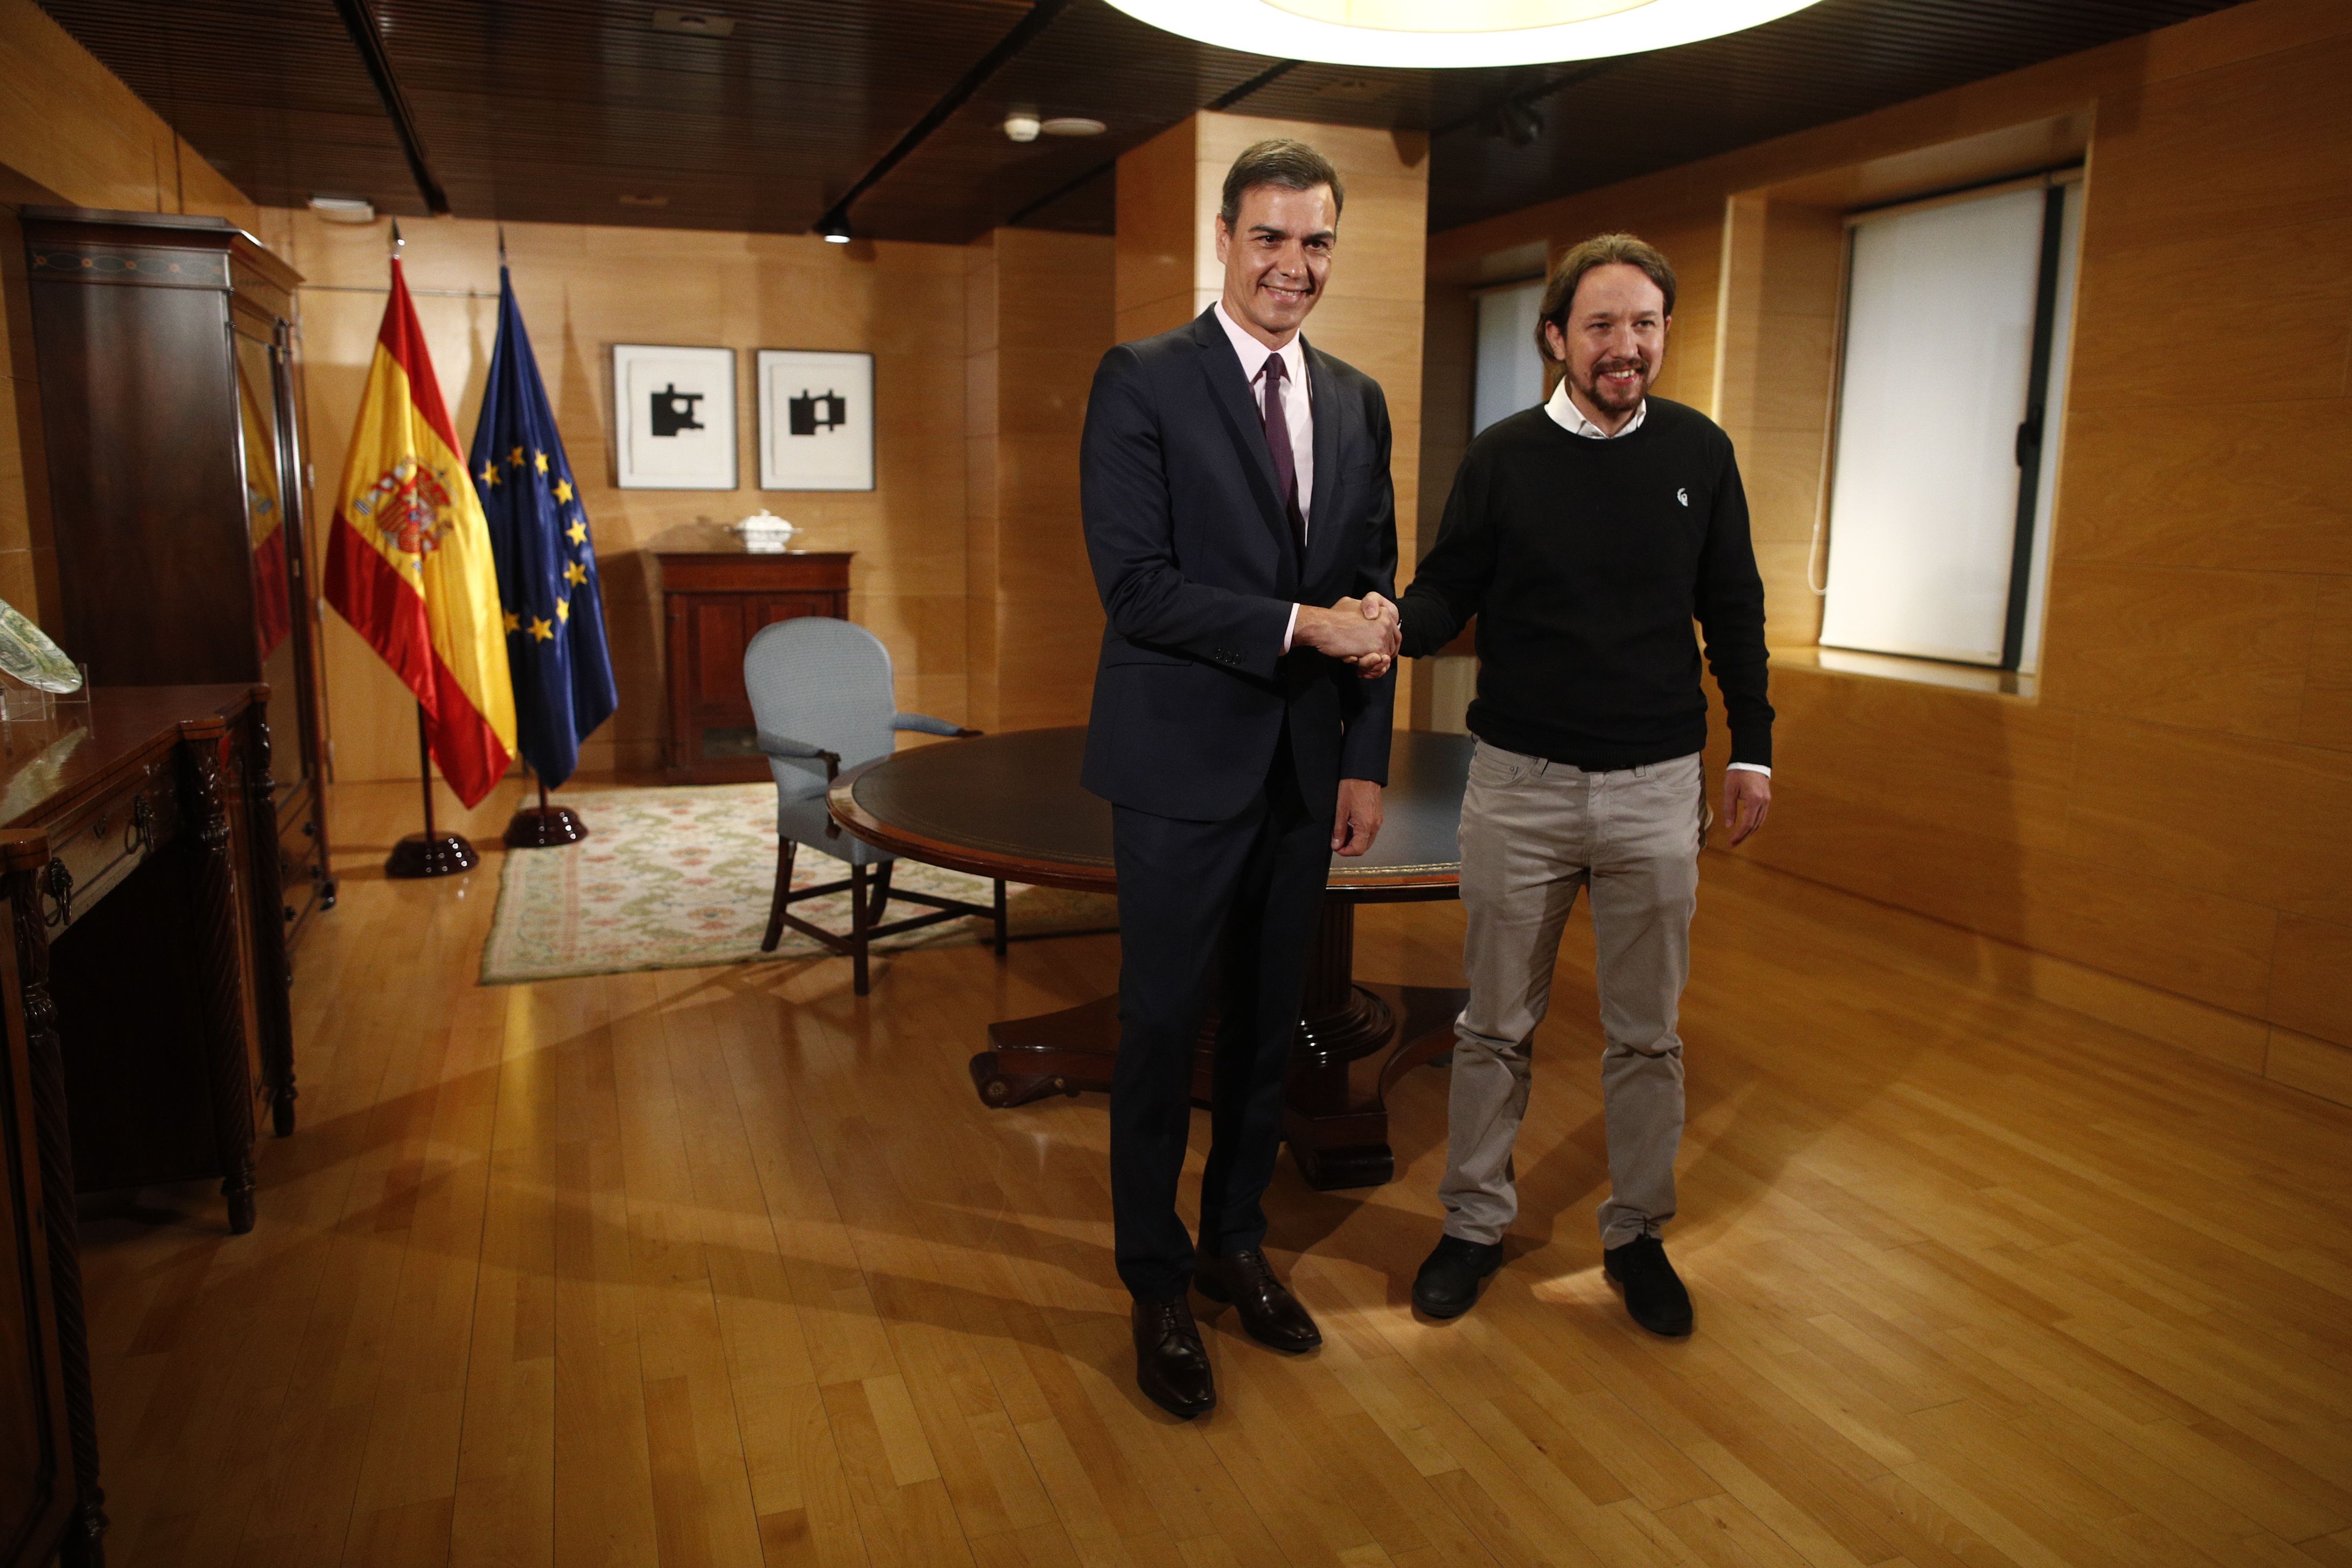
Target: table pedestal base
1354	1042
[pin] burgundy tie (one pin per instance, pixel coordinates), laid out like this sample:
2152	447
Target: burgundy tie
1286	461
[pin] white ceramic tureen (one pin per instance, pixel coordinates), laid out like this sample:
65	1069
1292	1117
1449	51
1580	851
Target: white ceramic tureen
762	532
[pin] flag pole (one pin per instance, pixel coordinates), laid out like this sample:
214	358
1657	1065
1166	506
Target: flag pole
544	826
429	853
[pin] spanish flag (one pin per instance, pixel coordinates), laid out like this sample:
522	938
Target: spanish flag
264	514
408	559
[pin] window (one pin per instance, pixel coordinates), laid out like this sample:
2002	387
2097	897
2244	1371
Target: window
1958	316
1510	375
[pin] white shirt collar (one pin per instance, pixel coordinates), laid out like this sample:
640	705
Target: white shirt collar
1571	418
1254	354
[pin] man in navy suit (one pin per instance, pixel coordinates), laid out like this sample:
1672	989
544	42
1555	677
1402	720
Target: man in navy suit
1238	513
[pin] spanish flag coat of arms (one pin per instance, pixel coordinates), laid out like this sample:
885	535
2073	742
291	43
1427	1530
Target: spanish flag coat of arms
409	564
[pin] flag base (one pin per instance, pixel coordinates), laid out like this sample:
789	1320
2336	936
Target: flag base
430	855
545	828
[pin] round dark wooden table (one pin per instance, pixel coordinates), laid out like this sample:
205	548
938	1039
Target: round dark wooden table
1010	806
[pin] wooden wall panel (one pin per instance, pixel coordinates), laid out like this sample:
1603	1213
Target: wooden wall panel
1041	313
585	289
2154	814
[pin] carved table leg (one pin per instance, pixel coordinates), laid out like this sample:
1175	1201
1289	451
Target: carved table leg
272	975
232	1081
84	1545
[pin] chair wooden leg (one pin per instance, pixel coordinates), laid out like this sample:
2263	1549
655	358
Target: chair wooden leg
1000	916
881	893
785	850
858	924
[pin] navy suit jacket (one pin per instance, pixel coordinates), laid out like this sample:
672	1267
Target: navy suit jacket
1198	570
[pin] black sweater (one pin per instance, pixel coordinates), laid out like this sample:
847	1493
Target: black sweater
1585	562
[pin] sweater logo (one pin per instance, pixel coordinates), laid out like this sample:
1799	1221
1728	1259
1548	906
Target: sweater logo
1682	496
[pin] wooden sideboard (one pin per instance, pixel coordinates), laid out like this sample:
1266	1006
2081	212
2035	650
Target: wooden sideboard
144	1014
715	596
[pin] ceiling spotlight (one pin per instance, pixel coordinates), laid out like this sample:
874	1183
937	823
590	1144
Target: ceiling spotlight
344	209
1073	125
836	231
1423	33
1020	127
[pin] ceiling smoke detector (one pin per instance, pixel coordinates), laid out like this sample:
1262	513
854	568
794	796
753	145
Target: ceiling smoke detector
344	209
696	23
1074	125
1021	127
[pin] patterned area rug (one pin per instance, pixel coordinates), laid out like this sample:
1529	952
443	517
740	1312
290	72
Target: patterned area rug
680	879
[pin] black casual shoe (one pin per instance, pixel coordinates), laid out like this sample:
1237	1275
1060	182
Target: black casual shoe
1448	1282
1171	1366
1653	1291
1268	1309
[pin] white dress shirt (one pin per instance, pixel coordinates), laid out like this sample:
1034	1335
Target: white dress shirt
1571	418
1297	412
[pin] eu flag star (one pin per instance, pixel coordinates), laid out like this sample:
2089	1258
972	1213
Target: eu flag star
490	473
514	621
541	457
578	532
543	628
515	456
575	573
562	609
564	490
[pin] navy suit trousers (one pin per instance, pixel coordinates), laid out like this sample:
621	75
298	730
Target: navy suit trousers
1211	913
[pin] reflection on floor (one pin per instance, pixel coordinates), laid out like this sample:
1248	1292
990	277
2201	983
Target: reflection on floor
727	1267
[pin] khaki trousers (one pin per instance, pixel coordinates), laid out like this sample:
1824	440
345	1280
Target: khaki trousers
1533	832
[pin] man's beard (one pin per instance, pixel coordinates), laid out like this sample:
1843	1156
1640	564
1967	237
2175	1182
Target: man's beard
1606	397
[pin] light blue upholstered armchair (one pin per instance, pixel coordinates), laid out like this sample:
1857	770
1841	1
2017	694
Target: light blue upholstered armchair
822	699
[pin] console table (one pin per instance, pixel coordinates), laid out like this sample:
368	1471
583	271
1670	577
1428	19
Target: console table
715	596
144	1017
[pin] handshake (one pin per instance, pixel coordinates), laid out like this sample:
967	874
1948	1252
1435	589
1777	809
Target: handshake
1362	632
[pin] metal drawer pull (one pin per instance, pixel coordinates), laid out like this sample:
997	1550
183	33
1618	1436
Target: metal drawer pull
60	887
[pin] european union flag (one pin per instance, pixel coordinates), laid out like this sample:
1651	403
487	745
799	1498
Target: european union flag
547	567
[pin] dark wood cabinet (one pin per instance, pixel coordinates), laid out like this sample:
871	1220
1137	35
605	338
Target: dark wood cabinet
179	481
715	596
37	1493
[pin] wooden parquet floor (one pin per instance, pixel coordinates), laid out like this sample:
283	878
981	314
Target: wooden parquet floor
727	1267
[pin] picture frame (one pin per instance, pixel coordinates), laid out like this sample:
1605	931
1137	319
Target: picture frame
816	419
674	417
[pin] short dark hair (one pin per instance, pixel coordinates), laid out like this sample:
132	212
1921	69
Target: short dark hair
1280	161
1601	250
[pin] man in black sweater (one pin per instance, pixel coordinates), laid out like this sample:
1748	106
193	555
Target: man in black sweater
1585	535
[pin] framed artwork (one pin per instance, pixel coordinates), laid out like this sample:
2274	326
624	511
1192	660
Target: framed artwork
674	417
816	420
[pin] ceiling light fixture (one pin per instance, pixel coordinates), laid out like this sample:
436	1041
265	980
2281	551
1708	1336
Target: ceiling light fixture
1020	126
1074	125
344	209
1423	33
836	231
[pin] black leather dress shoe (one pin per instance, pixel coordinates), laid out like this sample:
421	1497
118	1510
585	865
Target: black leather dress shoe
1448	1282
1653	1291
1268	1310
1171	1366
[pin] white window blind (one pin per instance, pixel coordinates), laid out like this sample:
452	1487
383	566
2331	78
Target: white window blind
1937	381
1510	371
